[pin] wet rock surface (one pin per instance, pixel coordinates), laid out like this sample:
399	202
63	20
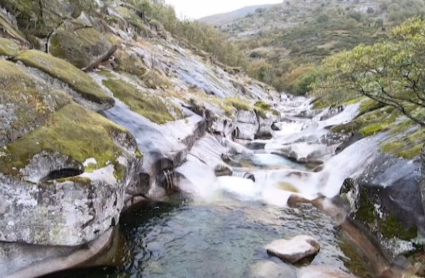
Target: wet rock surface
294	249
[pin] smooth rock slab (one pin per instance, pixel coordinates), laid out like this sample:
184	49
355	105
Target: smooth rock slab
295	249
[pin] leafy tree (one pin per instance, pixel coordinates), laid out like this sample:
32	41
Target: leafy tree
391	72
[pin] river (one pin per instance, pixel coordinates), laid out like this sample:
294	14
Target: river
222	227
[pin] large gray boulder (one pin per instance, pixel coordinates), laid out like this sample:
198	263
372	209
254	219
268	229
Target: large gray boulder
295	249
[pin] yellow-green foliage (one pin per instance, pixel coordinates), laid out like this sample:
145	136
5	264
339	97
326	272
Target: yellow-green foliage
141	102
66	72
238	103
8	48
73	131
261	107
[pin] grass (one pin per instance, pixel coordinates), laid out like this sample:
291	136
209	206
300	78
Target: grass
141	102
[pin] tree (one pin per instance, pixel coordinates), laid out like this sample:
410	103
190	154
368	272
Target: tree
391	72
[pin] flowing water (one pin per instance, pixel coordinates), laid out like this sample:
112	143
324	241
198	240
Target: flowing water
223	232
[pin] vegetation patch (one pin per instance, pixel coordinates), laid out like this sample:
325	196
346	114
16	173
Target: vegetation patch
238	103
141	102
31	101
73	131
262	108
67	73
8	48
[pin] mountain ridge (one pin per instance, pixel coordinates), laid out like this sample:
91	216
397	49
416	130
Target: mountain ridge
223	18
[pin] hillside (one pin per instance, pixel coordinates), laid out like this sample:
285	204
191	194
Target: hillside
285	42
224	18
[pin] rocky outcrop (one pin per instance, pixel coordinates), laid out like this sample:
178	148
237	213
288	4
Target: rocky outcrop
77	42
387	199
295	249
88	93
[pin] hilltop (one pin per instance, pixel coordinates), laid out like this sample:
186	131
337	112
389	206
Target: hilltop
224	18
287	41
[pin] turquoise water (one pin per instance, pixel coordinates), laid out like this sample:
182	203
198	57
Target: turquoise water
212	240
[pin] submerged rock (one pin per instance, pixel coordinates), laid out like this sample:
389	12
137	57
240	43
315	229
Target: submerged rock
270	269
295	249
322	272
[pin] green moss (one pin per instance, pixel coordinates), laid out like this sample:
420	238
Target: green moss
369	123
138	154
73	131
239	104
275	112
346	128
261	108
368	106
79	46
119	171
392	228
31	99
132	65
8	48
372	129
66	72
406	146
107	74
143	103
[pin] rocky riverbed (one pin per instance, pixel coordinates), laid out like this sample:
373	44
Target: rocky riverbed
141	157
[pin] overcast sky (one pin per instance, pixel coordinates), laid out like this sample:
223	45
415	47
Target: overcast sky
199	8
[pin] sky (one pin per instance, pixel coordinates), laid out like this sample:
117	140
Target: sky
195	9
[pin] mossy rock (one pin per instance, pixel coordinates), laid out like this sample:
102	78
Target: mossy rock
378	221
131	64
8	48
141	102
73	131
27	101
41	20
81	45
67	73
406	146
131	17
